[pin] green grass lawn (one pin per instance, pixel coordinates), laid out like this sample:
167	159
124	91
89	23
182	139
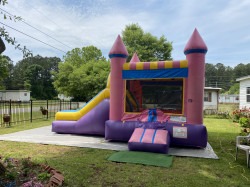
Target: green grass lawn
90	167
25	125
228	107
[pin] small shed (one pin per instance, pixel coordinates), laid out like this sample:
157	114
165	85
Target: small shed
14	95
244	95
211	100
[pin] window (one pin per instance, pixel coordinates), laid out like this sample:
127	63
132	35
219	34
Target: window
208	96
166	95
248	94
25	94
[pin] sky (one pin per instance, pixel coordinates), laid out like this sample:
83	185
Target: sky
73	24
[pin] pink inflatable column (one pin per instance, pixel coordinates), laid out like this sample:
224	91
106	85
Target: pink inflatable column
135	86
195	52
118	55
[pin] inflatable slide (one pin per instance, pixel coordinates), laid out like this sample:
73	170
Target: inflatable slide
88	120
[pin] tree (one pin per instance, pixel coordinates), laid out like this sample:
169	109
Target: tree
210	74
148	47
79	56
241	70
8	80
3	70
225	76
35	74
83	73
219	76
234	89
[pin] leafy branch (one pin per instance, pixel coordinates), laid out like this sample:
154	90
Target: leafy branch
3	2
26	52
11	40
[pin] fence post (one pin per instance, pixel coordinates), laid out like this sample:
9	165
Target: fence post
10	112
47	109
70	104
31	104
60	105
2	112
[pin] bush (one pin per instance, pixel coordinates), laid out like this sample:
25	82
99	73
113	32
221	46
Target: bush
223	115
240	113
244	122
217	115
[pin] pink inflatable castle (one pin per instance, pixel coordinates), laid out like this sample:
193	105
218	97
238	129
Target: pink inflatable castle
158	94
164	96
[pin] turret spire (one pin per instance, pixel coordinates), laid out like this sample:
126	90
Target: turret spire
135	58
118	49
195	44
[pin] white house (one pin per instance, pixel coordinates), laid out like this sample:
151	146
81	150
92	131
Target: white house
63	97
226	98
14	95
211	99
244	96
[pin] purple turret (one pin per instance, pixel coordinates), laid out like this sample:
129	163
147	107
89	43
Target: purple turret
195	52
118	55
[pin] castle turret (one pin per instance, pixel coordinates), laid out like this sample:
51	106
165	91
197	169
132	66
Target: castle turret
135	58
135	86
195	52
118	55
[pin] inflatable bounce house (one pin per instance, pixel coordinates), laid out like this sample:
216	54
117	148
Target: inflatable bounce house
150	105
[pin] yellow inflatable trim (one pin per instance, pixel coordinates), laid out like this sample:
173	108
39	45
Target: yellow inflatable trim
131	99
74	116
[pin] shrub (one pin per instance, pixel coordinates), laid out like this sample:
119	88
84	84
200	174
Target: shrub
44	176
217	115
244	122
223	115
240	113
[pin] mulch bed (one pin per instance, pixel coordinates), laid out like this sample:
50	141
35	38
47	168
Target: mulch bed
25	173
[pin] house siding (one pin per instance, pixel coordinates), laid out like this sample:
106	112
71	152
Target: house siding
17	95
212	106
214	101
243	88
228	98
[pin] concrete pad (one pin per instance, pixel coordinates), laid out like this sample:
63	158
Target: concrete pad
43	135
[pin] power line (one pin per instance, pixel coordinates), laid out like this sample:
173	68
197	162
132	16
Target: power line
73	21
37	29
48	18
33	38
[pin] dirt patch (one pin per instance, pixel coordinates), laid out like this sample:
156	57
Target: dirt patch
25	173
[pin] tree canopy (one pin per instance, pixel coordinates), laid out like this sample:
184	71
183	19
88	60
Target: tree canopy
83	73
4	69
34	74
148	47
225	77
